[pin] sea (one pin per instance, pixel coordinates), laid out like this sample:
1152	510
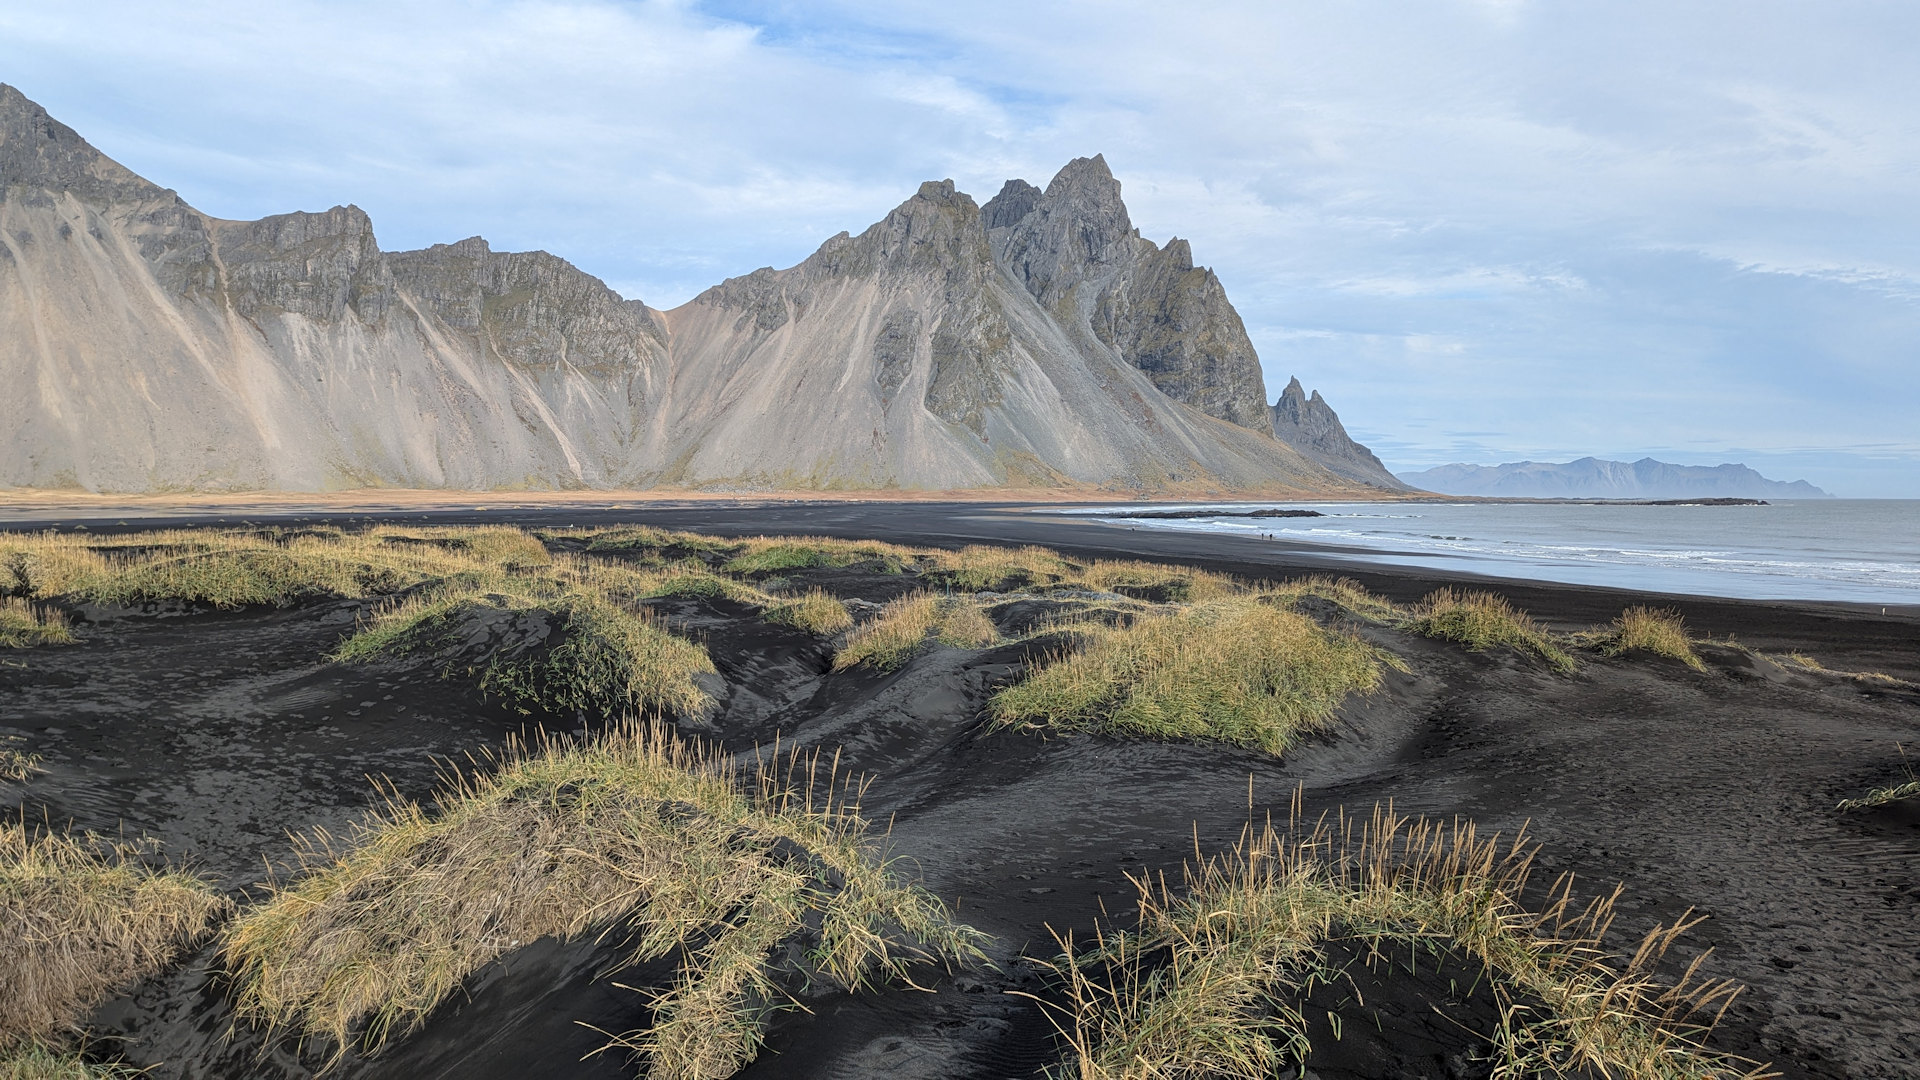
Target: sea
1863	551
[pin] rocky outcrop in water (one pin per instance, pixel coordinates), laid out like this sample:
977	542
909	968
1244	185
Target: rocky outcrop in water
1037	341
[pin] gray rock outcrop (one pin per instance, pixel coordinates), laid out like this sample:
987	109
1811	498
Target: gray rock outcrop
1077	252
1036	341
1309	425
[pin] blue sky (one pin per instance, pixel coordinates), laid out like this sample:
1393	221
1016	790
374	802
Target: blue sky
1487	230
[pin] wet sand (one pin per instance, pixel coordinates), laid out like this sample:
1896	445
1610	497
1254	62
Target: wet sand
1715	791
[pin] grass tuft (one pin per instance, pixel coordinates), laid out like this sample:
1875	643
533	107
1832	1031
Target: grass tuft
1481	621
816	611
1661	632
24	624
1210	982
1245	671
36	1061
904	626
1891	793
16	764
641	834
79	918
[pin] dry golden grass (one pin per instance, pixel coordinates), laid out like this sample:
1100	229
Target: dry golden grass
79	918
238	568
904	626
24	624
1481	621
1246	671
1208	984
16	764
1346	592
1643	629
982	567
640	834
1808	663
646	539
778	554
816	611
1037	569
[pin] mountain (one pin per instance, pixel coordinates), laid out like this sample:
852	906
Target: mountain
1593	478
1309	425
1038	341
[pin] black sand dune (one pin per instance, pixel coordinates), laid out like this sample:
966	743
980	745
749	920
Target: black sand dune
1715	790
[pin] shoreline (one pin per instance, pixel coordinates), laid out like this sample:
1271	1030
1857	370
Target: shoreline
959	522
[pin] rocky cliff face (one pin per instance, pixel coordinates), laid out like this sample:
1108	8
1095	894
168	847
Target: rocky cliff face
909	356
1309	425
1037	340
1076	251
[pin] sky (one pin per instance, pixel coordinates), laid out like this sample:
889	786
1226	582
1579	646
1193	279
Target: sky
1485	230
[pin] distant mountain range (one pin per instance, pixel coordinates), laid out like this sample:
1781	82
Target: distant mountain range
1594	478
1036	341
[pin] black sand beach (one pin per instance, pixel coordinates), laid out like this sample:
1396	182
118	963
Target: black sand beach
1716	791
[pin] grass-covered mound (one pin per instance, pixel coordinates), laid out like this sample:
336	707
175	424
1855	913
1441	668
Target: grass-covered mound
907	624
1661	632
240	568
1482	621
1245	670
611	656
639	833
1212	981
816	611
80	918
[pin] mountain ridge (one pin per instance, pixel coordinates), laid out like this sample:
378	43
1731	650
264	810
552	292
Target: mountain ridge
1591	477
166	349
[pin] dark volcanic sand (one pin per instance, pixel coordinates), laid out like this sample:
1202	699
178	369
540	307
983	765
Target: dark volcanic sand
217	732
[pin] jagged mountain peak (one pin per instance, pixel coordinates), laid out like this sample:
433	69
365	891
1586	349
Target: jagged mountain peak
39	152
1015	201
1308	424
161	347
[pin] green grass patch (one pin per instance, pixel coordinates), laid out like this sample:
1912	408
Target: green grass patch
640	831
1482	621
1243	671
37	1061
1212	980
